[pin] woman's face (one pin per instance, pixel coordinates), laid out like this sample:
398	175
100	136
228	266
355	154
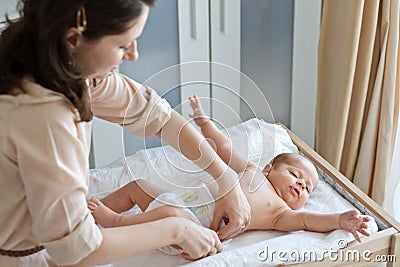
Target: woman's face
96	59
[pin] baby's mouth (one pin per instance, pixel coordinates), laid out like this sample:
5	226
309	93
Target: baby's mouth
296	191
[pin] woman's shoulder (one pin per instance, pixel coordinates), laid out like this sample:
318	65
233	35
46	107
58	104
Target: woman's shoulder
111	84
32	102
31	92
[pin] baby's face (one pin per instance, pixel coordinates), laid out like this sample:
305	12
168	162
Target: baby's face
293	180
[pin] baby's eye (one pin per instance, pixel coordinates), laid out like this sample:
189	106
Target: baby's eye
308	189
292	173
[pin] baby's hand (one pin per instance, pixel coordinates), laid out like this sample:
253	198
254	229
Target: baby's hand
355	223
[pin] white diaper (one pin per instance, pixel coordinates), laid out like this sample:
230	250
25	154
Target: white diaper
197	202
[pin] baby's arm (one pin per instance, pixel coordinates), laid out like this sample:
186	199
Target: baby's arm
290	220
353	222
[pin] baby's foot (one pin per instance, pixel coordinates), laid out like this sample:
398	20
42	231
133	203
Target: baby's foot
198	115
102	214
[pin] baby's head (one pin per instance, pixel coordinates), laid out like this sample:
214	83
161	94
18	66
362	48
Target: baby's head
293	177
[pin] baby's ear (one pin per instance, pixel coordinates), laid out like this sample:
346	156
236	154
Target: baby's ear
266	169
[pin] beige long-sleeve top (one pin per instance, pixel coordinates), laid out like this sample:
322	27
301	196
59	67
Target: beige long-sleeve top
44	154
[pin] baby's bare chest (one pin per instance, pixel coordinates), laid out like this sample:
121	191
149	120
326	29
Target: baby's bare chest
261	195
264	199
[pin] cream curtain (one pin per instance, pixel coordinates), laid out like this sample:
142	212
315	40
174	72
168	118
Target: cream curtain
358	91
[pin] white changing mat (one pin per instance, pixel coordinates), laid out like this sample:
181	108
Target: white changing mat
165	167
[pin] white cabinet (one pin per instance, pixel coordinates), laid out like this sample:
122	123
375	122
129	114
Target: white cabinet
209	40
194	52
307	21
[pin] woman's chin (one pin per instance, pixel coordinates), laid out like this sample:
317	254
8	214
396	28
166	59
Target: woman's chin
100	76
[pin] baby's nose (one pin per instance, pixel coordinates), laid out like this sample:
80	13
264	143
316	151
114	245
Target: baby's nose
300	183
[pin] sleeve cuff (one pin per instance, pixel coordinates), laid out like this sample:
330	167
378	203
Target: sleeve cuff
76	245
157	113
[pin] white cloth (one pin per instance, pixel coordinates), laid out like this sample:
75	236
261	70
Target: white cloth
258	140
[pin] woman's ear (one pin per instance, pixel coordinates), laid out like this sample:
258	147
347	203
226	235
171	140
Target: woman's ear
73	37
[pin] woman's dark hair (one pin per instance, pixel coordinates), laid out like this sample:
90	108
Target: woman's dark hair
35	44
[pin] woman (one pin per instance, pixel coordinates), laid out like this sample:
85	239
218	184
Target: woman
57	69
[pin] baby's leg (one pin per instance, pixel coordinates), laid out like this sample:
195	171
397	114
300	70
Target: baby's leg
139	192
218	141
108	218
102	214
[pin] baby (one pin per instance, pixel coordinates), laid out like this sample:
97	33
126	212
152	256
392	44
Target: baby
274	193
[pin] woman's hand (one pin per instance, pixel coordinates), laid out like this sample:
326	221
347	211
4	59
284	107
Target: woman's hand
196	241
234	209
122	242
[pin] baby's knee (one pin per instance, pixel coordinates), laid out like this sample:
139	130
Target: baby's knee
173	211
135	184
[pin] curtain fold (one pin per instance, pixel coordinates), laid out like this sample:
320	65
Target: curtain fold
336	66
358	91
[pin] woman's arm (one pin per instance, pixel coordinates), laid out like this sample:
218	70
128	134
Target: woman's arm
121	242
232	203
